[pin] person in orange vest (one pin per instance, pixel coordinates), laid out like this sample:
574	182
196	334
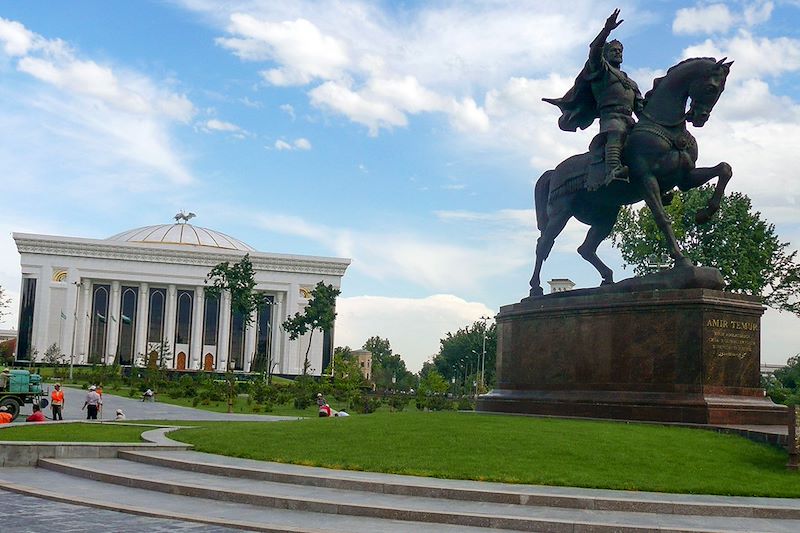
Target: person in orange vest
57	402
5	416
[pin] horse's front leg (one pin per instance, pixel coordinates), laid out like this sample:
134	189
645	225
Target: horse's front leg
652	197
701	176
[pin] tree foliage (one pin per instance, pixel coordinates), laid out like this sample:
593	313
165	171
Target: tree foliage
238	279
460	354
319	314
4	303
783	386
387	365
737	241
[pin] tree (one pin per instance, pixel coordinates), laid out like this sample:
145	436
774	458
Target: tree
7	351
319	314
461	353
737	241
4	303
239	280
54	357
784	384
379	348
348	380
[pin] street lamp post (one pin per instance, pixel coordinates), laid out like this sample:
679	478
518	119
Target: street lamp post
483	353
78	285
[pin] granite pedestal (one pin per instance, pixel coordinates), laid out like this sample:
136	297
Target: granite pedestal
676	355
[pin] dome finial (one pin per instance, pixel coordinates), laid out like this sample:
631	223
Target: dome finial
183	216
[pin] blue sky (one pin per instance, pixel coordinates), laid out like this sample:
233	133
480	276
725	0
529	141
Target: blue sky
404	135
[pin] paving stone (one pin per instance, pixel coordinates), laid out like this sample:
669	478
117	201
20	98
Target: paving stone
26	514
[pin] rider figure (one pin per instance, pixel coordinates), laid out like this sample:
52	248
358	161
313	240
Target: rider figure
603	90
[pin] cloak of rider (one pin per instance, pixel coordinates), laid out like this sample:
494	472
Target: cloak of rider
578	106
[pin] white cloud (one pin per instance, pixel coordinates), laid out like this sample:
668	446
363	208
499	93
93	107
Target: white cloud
373	114
430	318
754	56
718	18
17	40
288	109
99	118
301	49
302	144
297	144
220	125
714	18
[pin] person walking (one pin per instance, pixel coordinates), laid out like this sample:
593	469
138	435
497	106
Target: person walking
92	404
57	402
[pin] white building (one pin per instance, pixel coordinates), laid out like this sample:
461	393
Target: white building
141	292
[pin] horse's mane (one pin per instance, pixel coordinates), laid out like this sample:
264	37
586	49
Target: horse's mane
657	81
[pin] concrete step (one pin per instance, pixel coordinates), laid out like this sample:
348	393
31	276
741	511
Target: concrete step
431	510
531	495
65	488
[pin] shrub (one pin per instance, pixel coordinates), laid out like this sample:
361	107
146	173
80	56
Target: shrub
398	402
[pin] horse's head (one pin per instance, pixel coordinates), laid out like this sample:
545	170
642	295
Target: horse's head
705	89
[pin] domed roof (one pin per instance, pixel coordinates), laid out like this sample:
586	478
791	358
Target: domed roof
181	233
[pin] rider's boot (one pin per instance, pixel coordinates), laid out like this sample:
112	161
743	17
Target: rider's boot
615	170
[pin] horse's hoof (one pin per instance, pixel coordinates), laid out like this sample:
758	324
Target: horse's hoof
536	291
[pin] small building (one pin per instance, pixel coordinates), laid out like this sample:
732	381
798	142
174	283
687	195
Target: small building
140	295
561	285
364	358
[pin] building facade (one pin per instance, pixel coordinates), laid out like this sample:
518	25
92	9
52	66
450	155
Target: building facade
139	296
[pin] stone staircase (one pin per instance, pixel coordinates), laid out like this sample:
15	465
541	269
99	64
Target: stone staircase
262	496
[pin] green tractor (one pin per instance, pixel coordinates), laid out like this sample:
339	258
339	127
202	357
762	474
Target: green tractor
22	387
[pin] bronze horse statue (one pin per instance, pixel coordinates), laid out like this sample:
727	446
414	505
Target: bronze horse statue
660	154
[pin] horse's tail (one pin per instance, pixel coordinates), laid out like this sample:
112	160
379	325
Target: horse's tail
540	194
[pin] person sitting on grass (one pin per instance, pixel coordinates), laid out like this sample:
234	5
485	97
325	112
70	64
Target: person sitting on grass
120	417
5	416
37	415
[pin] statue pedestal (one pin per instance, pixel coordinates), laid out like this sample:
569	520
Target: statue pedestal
676	355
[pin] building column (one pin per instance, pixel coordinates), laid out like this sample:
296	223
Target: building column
277	350
142	308
113	322
71	326
84	322
224	333
250	341
169	323
196	348
41	313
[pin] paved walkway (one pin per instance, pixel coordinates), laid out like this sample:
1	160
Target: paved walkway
26	514
135	409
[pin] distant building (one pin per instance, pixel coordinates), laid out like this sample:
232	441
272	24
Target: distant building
7	334
126	298
768	370
561	285
364	358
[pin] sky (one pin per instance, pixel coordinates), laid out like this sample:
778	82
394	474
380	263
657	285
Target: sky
406	136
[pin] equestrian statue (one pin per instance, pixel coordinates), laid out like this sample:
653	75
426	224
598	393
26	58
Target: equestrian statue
628	161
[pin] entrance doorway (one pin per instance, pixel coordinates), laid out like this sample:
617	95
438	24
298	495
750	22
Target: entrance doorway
208	362
181	364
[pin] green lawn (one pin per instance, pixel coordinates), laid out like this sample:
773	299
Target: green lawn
108	432
514	449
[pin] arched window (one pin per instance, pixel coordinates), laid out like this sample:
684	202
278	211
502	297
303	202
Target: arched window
183	319
155	329
127	324
99	328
